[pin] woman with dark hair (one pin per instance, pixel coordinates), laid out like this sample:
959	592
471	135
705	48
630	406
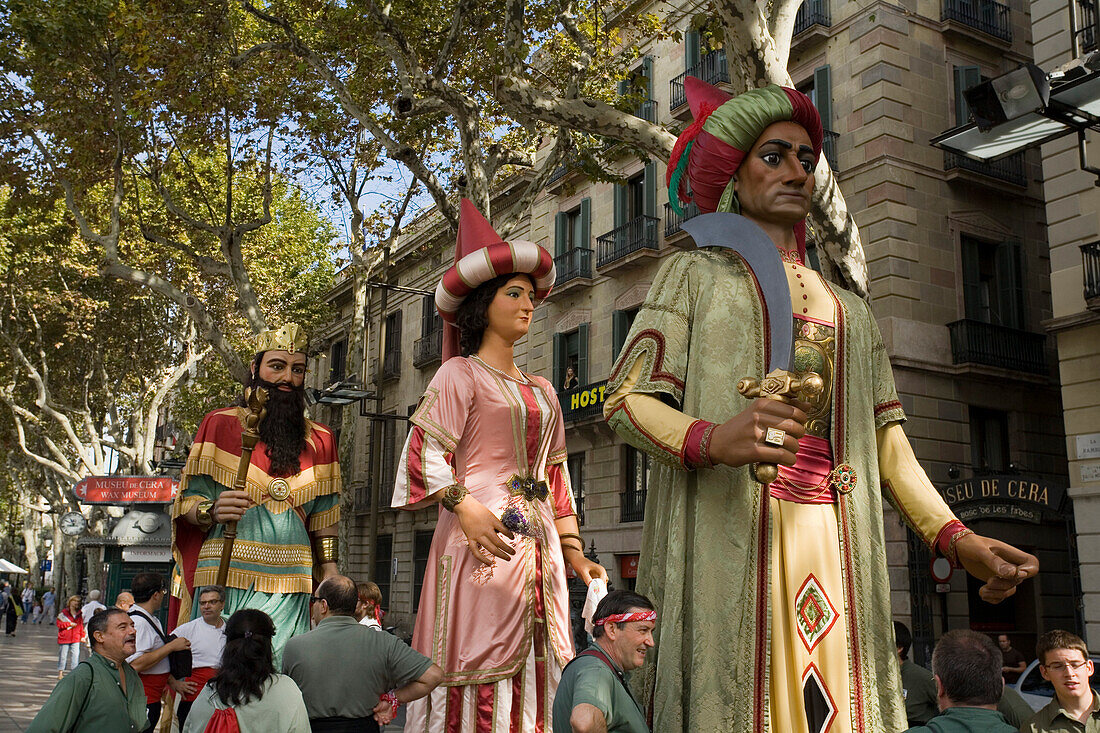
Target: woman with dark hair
488	445
247	685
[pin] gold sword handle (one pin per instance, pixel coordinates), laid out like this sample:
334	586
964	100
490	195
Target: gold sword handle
783	386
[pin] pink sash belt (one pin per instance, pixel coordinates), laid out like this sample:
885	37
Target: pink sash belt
809	480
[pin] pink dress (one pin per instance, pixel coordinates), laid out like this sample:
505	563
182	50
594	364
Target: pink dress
501	642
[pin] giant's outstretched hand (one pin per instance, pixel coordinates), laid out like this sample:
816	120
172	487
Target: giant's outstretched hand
1000	565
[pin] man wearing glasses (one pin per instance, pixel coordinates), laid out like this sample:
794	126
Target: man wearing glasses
1064	662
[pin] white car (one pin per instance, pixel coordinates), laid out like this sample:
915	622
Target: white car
1037	692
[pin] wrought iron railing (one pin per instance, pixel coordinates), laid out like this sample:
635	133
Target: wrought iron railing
988	16
811	13
977	342
391	365
575	263
428	349
1009	169
674	222
632	505
647	110
1085	31
828	148
1090	256
639	233
557	175
711	68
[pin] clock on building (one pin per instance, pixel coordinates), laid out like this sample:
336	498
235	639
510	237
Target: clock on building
73	523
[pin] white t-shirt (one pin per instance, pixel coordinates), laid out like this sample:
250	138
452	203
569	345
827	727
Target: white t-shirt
371	622
207	642
147	640
88	610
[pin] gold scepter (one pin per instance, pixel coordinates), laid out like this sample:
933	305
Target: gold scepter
256	400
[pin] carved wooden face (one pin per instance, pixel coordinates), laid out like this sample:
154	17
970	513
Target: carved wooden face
776	179
510	310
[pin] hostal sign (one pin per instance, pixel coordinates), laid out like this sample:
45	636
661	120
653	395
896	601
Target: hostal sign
1004	496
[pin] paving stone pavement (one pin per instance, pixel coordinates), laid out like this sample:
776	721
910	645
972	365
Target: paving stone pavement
28	673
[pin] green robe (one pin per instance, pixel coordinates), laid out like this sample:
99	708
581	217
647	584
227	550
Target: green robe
705	546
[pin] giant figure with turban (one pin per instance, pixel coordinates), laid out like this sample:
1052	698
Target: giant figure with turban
774	598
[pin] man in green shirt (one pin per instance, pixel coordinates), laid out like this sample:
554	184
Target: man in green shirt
1064	662
103	693
917	686
344	668
593	696
966	666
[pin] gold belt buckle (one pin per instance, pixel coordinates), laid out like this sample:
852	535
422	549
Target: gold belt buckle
843	478
279	489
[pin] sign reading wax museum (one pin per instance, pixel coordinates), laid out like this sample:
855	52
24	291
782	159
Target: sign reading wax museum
125	490
1004	496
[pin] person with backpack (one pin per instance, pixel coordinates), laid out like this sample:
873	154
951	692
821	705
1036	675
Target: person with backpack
103	693
248	695
153	647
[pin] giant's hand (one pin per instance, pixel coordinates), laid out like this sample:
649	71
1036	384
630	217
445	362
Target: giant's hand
740	440
585	569
1000	565
230	506
483	531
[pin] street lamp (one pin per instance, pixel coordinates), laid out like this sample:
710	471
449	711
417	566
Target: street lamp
339	393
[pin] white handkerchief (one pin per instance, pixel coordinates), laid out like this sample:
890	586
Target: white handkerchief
597	589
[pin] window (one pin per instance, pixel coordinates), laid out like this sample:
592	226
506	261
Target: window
571	350
965	77
819	89
637	472
637	197
988	440
391	360
422	546
621	321
575	465
338	359
430	320
993	282
389	461
639	85
383	559
1084	25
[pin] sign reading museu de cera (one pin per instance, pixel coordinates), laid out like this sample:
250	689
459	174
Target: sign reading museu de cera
1004	496
125	490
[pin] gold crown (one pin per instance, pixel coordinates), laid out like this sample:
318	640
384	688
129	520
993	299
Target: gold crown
290	338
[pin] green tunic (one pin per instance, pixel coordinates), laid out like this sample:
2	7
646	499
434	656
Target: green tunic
587	680
1054	719
919	689
966	720
91	700
706	543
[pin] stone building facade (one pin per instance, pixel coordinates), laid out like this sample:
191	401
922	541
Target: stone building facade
960	278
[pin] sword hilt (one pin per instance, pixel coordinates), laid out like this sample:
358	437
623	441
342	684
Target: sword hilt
784	386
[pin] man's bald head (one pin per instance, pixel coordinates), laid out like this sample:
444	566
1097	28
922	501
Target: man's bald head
340	593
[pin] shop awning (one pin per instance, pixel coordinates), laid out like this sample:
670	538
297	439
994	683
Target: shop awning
10	567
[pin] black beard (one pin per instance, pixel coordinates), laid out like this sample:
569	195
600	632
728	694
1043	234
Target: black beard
284	427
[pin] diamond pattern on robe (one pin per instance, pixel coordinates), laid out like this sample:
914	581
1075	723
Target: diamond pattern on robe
821	711
815	614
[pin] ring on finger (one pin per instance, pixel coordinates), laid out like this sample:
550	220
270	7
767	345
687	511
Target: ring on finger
775	437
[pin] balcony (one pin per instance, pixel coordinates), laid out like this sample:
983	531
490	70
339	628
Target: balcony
711	68
632	505
574	264
647	110
636	236
828	148
975	342
582	403
391	365
428	350
986	16
1009	169
1090	256
811	13
674	230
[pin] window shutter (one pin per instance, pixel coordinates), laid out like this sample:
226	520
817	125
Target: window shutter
397	331
585	217
623	87
823	93
1010	284
647	70
559	360
620	327
972	276
582	354
561	221
965	77
692	55
620	204
650	188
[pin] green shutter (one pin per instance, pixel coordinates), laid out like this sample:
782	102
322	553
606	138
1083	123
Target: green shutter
647	71
650	188
965	77
561	238
620	204
559	360
582	355
692	55
823	93
972	279
623	87
585	239
1010	284
620	327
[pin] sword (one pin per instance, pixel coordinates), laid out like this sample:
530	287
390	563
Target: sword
760	254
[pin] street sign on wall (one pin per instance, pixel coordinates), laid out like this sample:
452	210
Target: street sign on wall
125	490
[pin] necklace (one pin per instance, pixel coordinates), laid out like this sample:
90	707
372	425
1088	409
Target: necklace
522	378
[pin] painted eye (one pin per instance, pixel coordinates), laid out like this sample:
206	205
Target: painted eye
771	159
808	166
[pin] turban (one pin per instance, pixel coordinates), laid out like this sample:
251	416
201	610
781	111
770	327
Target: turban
711	150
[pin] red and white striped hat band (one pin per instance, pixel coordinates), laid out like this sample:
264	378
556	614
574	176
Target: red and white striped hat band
482	255
624	618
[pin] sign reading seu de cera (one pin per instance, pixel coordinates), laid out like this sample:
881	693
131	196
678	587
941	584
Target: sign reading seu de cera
125	490
1004	496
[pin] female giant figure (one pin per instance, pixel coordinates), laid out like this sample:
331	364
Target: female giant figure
774	599
488	444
